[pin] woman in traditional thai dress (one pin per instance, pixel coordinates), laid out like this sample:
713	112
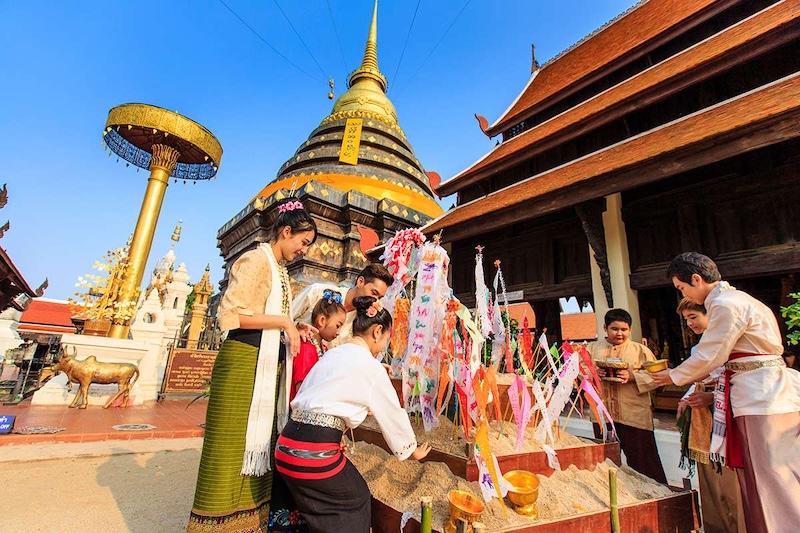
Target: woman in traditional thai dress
237	490
346	384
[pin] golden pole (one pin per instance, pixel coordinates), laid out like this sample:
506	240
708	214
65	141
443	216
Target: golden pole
161	166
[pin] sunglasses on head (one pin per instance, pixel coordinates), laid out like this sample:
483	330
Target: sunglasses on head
332	296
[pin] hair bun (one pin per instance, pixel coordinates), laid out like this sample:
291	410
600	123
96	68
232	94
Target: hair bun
362	303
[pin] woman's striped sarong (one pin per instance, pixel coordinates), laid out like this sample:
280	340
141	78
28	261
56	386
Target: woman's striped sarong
225	500
328	490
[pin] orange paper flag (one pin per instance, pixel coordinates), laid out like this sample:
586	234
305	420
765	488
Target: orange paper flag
482	441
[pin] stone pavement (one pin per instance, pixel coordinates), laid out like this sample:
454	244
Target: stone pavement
94	479
91	478
171	418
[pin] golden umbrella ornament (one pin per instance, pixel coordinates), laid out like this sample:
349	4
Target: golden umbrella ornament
169	145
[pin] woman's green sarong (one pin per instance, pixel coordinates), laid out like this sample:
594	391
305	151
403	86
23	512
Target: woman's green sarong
225	500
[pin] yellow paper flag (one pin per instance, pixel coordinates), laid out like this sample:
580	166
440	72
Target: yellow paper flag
351	140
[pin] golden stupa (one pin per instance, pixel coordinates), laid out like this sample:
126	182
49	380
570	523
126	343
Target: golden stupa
387	166
356	172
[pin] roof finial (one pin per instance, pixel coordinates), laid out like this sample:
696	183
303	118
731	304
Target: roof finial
369	64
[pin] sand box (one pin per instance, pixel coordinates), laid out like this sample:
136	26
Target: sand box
446	438
401	485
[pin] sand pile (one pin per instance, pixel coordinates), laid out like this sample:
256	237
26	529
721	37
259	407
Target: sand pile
401	485
449	439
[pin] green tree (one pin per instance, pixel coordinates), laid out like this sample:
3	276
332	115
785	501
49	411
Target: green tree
792	314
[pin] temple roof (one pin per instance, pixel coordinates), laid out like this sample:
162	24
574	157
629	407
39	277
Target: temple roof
13	284
632	30
387	166
772	110
47	315
658	81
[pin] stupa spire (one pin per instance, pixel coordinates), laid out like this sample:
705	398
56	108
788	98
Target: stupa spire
369	64
366	93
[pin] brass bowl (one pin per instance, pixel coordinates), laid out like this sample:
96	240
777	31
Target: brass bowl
524	491
465	506
655	366
612	365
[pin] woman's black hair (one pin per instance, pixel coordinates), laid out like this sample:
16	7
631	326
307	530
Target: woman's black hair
327	306
292	213
363	321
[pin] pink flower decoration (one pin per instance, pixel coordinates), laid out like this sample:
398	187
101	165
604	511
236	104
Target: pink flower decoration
374	309
290	206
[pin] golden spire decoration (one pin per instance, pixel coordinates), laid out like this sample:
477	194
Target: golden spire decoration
369	64
176	235
366	93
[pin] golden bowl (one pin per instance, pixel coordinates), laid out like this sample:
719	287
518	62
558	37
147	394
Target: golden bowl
523	492
612	364
655	366
465	506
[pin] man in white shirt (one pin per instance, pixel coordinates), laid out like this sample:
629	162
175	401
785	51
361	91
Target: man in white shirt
761	397
374	280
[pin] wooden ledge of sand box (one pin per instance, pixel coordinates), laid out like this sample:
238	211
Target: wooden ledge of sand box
569	500
677	512
449	447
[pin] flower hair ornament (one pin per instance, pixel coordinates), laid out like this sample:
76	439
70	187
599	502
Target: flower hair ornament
332	296
374	309
290	206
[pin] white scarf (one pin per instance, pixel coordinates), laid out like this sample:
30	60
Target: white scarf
256	460
719	428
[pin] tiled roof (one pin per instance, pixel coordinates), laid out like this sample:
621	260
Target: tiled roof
609	104
621	36
578	326
520	310
771	102
47	313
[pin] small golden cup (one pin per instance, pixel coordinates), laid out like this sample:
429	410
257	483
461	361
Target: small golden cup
524	492
465	506
655	366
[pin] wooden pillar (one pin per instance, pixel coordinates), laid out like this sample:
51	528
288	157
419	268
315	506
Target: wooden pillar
619	268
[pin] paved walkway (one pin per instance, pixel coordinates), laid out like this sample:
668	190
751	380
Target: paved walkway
171	418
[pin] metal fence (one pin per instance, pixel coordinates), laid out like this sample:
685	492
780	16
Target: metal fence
210	337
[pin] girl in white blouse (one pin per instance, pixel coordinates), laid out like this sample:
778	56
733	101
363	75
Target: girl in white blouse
346	384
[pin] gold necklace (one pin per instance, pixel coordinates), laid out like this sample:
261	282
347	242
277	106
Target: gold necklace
285	287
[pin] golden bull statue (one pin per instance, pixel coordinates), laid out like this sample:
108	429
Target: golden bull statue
89	371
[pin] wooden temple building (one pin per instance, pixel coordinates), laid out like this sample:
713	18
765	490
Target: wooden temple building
14	290
382	189
673	128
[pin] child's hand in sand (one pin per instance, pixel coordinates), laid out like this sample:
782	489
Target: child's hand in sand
421	451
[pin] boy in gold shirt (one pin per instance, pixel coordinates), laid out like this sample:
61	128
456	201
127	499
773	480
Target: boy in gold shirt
628	400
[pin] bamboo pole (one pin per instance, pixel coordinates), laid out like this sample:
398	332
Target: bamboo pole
427	512
505	415
574	405
612	493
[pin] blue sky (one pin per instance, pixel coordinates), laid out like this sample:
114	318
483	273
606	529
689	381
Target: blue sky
66	64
